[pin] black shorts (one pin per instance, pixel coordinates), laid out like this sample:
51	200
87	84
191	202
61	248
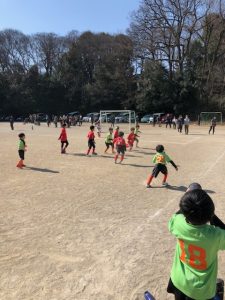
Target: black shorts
108	144
64	142
159	168
91	144
121	149
21	154
171	289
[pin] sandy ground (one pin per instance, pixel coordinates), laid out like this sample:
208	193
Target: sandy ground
77	227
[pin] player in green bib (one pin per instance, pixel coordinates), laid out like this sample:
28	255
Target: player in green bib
109	140
194	269
160	160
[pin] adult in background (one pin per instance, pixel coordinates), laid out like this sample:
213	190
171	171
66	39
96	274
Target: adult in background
174	122
180	124
92	119
112	121
213	125
168	120
48	119
11	121
186	124
55	120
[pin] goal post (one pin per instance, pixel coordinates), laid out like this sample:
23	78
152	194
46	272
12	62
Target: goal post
206	117
105	116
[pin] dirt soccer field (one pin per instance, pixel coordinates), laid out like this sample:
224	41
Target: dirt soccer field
82	228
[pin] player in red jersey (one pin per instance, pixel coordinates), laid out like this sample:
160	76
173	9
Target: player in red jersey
131	138
116	132
91	141
63	139
120	144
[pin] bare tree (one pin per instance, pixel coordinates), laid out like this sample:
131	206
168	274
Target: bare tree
163	30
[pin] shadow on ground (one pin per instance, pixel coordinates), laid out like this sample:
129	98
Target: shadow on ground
42	170
138	166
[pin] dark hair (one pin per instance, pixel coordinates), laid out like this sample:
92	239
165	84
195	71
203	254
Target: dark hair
64	125
159	148
21	135
121	133
197	207
194	186
92	127
110	129
132	129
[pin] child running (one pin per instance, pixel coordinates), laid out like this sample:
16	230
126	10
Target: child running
21	150
194	270
131	138
136	132
109	140
63	139
160	159
99	129
91	140
120	147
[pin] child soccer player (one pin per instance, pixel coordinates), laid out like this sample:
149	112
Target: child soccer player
21	150
136	136
116	132
120	147
63	139
131	138
91	140
109	140
194	270
160	159
98	126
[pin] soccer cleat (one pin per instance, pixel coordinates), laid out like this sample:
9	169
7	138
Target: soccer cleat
148	186
94	153
19	165
165	183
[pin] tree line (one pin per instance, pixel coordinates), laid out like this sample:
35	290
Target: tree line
172	59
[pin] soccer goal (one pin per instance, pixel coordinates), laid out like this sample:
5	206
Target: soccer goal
206	117
118	116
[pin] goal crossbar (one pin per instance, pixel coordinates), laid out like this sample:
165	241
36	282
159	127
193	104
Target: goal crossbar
129	112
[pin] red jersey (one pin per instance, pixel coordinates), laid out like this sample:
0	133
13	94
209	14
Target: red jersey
119	141
91	135
116	134
131	138
63	135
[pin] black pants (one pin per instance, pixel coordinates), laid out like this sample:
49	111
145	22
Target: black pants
212	127
180	127
108	145
64	142
171	289
91	144
159	168
11	125
21	154
186	127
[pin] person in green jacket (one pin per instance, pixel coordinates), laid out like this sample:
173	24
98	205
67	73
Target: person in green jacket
21	150
194	270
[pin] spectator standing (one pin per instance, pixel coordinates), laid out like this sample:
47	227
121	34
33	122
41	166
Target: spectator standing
186	124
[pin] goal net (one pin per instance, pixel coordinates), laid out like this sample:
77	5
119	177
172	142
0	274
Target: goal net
118	116
206	117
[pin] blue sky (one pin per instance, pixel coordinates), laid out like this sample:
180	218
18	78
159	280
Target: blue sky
62	16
